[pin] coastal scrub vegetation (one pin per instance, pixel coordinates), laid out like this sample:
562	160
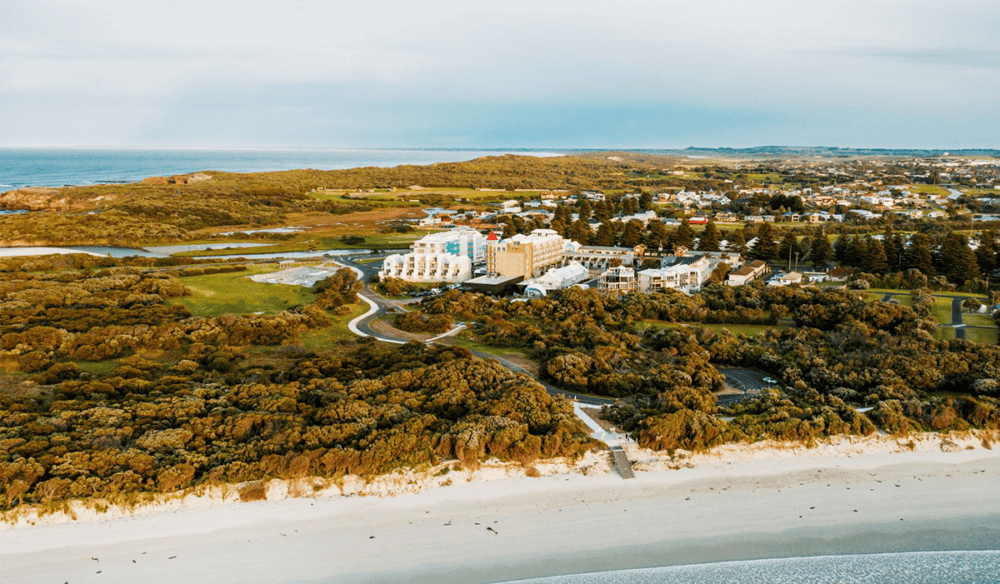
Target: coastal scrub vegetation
843	354
145	428
108	390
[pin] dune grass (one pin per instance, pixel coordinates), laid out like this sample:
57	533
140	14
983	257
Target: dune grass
235	293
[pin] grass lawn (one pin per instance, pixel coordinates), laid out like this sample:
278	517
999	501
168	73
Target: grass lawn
379	241
324	338
462	341
97	367
930	189
904	297
987	336
944	333
978	319
750	330
942	309
235	293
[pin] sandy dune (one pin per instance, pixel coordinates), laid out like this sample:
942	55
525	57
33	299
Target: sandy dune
743	503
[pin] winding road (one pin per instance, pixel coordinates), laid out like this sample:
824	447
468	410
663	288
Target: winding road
380	306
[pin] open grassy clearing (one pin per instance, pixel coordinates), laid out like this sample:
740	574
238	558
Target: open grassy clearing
324	338
423	195
942	309
978	319
977	335
930	189
750	330
97	367
462	341
944	333
372	241
904	297
235	293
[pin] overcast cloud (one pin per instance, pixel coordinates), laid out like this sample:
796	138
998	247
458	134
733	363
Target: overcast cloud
445	73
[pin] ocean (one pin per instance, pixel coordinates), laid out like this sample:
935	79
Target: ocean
955	567
56	167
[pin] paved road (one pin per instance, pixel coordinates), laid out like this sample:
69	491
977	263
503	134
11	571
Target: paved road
956	318
385	306
746	380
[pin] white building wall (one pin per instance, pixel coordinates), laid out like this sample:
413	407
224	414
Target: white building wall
427	267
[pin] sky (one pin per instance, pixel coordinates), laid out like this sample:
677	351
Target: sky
529	74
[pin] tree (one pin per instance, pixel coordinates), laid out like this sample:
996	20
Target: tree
986	253
789	245
657	234
508	229
821	252
645	201
684	236
840	249
585	209
918	255
580	232
857	252
960	260
710	238
605	236
737	240
633	233
766	248
875	262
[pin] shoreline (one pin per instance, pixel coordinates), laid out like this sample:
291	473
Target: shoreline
775	502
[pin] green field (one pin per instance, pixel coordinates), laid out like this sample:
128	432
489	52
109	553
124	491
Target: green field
944	333
379	241
235	293
930	189
987	336
97	367
461	341
942	309
324	338
978	319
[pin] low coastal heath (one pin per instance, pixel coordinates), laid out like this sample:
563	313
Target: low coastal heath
859	497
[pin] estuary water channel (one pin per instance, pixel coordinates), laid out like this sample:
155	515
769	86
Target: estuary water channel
167	250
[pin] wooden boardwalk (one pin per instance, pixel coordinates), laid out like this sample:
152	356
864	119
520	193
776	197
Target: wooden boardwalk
622	462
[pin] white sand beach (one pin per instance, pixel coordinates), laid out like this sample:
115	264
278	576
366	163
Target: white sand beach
740	502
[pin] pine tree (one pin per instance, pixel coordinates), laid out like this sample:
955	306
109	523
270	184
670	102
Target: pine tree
821	252
605	236
891	251
633	233
789	245
765	249
875	261
960	259
658	235
585	209
684	236
986	253
918	255
709	238
840	249
580	232
737	240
